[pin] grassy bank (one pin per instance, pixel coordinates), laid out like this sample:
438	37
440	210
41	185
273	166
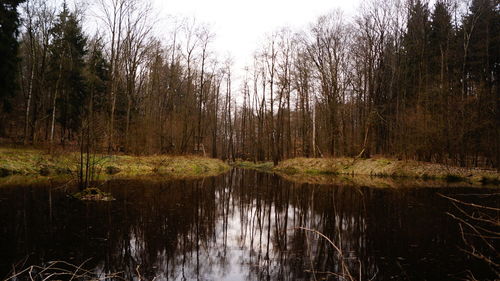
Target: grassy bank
386	168
30	162
259	166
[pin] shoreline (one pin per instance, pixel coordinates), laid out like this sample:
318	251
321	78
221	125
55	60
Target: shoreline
33	163
377	169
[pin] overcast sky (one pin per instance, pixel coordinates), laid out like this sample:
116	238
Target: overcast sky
240	25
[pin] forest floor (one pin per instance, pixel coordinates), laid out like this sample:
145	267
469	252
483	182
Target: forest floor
20	162
383	168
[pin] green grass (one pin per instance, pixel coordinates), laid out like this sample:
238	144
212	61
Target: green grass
39	164
260	166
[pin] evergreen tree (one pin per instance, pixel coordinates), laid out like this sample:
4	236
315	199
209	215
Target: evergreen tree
441	32
96	74
9	23
483	24
415	86
67	63
481	35
416	49
440	39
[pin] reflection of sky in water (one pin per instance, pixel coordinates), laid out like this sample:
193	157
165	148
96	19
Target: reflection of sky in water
245	244
241	226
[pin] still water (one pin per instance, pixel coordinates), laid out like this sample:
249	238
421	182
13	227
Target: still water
243	225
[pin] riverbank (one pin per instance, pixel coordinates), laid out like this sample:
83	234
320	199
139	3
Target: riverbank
32	162
258	166
386	168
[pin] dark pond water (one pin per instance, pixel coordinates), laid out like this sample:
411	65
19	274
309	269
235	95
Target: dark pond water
240	226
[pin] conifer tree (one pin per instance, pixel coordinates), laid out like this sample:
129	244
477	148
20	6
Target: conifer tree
67	61
9	23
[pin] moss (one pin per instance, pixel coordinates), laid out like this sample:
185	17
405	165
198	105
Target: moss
383	161
290	170
260	166
197	169
320	172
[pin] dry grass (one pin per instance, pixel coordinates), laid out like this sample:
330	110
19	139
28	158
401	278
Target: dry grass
38	164
387	168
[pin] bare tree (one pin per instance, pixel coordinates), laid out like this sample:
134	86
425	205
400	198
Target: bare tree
138	27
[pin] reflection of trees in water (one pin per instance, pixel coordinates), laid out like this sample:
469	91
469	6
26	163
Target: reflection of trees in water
168	228
241	224
274	209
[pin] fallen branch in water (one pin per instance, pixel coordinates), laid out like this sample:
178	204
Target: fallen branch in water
346	274
479	228
55	270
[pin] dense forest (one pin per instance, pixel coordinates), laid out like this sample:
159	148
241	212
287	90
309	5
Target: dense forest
404	78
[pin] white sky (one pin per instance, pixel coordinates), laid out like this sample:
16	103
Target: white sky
240	26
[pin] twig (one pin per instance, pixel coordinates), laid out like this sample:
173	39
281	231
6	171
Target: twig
53	270
78	268
138	272
345	268
469	204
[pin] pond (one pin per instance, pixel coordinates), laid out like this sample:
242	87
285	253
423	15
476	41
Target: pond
243	225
